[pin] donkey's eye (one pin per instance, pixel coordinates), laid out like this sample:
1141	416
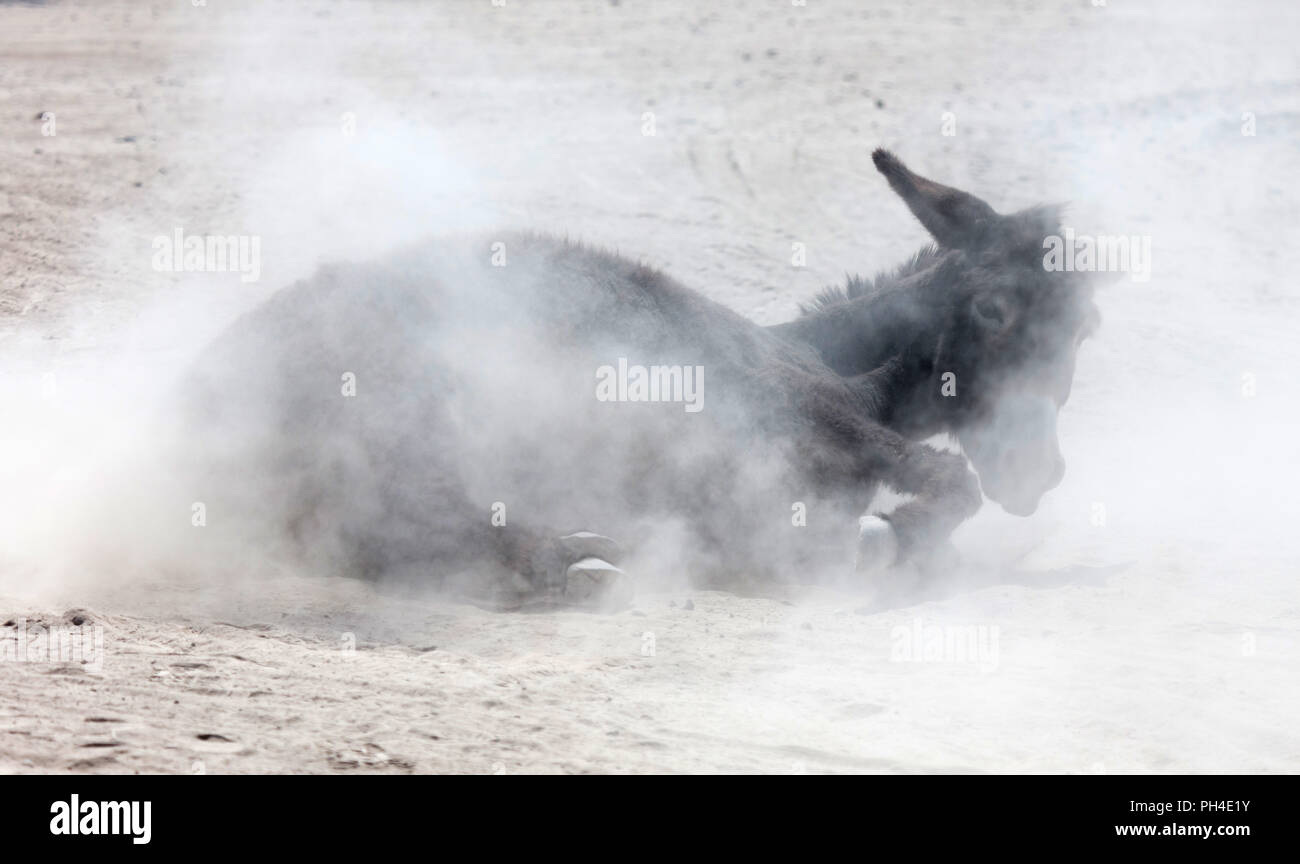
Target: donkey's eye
990	313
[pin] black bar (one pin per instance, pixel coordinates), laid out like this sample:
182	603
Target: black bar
310	815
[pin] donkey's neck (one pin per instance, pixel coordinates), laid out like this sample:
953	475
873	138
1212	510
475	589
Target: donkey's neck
859	335
884	342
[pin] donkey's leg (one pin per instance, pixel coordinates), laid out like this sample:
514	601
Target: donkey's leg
877	544
433	523
946	494
571	569
862	452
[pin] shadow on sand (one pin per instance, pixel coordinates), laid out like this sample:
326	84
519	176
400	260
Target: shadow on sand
966	581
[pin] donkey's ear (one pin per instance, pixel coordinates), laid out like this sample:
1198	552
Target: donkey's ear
1027	231
1031	225
956	219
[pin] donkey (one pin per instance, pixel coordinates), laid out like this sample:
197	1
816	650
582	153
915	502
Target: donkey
448	414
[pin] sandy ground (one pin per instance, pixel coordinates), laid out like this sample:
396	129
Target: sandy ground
1145	620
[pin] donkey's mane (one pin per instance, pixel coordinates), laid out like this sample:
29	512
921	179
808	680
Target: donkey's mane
858	286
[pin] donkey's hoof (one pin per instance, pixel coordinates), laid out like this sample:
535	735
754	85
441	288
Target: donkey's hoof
877	545
596	582
585	544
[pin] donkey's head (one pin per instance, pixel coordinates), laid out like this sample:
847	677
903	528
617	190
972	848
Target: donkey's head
1009	335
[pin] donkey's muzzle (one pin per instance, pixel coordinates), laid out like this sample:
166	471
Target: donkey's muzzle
1016	452
1026	480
